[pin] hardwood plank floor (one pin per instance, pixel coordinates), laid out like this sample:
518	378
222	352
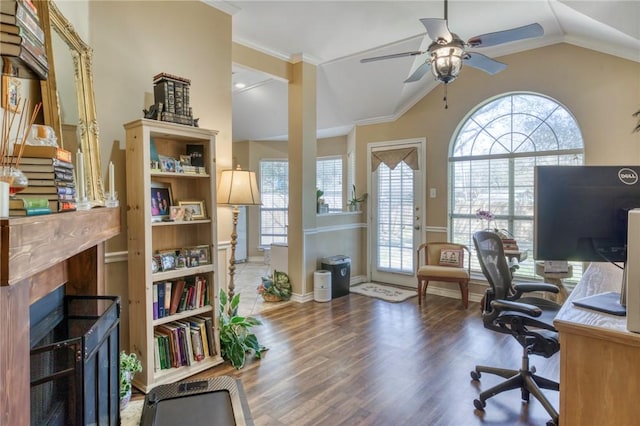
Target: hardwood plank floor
362	361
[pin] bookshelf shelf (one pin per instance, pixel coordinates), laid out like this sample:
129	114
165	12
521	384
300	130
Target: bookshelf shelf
147	238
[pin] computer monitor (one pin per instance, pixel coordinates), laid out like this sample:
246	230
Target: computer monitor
581	214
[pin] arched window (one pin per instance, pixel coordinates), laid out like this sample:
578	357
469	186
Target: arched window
492	162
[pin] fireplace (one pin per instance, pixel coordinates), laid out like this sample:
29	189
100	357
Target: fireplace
74	361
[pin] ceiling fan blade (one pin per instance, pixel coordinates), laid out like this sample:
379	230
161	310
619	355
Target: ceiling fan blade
437	29
484	63
418	73
506	36
392	56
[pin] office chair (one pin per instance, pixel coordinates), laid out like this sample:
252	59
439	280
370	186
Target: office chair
444	262
528	319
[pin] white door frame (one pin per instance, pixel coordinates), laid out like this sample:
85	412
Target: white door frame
421	145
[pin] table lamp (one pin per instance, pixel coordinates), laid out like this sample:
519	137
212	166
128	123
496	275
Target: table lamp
237	188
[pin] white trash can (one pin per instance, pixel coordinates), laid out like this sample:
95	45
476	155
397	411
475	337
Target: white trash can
322	286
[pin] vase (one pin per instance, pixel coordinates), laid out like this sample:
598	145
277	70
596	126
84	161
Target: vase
15	178
124	401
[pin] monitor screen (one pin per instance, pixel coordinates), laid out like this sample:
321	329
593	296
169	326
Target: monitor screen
581	212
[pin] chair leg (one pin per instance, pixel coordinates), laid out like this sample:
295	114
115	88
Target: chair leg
419	291
464	291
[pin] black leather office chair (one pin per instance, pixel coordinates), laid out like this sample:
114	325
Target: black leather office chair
528	319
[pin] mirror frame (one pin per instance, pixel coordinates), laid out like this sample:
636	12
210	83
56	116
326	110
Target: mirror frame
52	19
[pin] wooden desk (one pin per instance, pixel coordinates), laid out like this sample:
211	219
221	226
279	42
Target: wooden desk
37	255
599	358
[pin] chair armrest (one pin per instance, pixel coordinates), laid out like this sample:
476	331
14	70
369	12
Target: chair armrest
525	308
528	287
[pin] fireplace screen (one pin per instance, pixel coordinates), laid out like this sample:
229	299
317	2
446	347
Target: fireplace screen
75	360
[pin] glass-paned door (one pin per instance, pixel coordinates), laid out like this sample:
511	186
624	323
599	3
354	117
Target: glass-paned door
396	219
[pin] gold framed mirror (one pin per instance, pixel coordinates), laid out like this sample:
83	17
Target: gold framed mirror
70	71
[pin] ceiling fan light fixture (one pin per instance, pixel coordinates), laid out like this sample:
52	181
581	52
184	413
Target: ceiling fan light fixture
446	62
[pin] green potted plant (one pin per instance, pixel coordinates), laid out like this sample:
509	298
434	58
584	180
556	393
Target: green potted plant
319	199
355	201
129	366
275	287
236	340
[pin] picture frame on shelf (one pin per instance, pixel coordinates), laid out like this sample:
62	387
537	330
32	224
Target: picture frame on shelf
194	209
161	201
11	93
202	253
185	160
156	264
168	260
167	164
176	213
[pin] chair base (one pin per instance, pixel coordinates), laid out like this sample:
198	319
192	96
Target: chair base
525	379
464	290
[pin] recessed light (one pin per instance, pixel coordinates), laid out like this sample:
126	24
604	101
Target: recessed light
240	85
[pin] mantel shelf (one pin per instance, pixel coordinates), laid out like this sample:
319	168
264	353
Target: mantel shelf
39	242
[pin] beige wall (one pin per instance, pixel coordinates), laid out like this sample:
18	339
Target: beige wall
131	44
601	91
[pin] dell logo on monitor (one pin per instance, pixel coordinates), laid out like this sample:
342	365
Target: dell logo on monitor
628	176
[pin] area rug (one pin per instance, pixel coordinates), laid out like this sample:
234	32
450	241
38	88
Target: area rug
132	413
384	292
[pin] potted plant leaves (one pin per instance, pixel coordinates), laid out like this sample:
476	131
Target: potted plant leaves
129	366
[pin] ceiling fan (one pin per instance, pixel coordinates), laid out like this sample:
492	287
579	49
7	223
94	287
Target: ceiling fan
448	51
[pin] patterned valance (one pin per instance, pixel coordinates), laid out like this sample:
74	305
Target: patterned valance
393	157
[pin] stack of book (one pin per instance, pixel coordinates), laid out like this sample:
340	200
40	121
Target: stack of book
172	297
171	96
22	40
182	343
29	206
50	173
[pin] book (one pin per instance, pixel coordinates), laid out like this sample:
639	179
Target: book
30	212
196	152
59	190
176	295
19	58
28	203
160	290
201	324
196	342
42	151
155	303
57	175
10	7
48	168
7	19
209	333
167	298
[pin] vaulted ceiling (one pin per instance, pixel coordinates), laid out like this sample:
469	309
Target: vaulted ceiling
336	35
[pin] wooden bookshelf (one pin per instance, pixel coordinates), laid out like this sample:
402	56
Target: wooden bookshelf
148	237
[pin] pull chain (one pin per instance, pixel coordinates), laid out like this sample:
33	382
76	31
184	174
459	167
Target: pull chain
446	104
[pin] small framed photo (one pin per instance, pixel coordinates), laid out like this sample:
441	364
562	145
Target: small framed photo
168	260
156	264
202	253
176	213
11	93
161	201
167	164
193	210
185	160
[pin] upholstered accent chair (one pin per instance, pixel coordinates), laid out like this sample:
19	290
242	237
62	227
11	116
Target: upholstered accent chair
444	262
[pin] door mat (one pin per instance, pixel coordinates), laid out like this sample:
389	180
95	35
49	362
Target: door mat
384	292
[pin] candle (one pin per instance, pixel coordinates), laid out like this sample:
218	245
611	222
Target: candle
112	189
80	167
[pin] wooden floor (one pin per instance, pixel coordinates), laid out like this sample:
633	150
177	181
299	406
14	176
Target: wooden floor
362	361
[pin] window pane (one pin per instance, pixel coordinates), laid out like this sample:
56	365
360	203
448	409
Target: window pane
274	191
329	180
508	136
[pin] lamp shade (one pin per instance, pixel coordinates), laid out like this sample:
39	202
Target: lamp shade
446	62
238	188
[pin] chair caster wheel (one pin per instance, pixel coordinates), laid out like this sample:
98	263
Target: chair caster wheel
479	404
475	375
